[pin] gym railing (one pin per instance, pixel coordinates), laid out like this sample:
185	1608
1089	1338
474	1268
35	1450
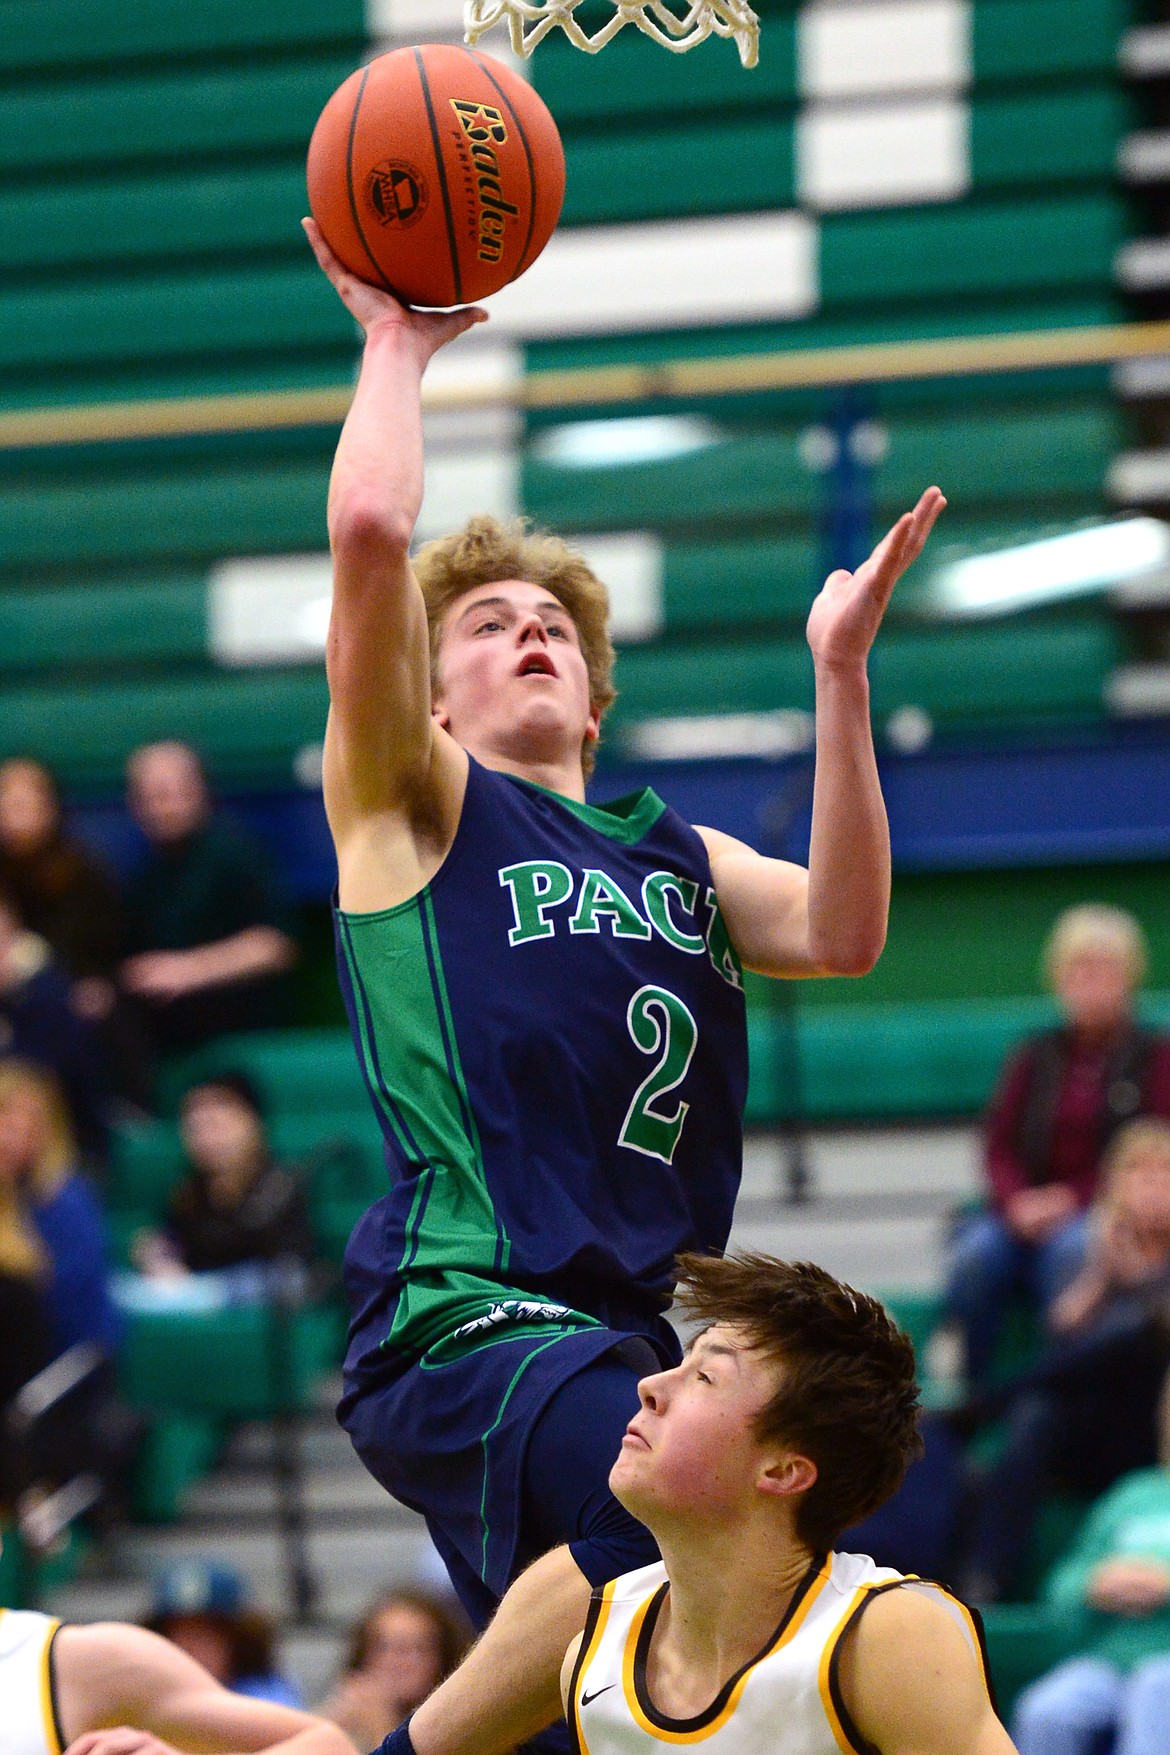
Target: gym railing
596	386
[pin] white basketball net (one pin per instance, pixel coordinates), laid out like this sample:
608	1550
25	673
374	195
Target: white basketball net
676	24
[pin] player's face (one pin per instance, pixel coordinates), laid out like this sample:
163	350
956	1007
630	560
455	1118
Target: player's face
512	676
692	1449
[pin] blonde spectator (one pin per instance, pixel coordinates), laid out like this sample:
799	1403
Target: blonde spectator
1129	1227
1062	1098
54	1206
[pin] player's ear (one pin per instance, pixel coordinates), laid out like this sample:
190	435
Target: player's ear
593	725
787	1474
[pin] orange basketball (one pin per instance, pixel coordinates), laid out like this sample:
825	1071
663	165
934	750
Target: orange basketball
437	173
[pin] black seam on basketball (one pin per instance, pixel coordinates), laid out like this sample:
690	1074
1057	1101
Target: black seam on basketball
522	262
353	206
441	168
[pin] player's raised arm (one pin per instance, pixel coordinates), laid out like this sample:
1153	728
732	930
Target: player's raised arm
913	1684
379	741
830	920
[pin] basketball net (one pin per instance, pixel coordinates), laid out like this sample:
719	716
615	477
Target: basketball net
676	24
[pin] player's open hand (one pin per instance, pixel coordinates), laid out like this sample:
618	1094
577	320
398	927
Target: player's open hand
373	307
848	612
122	1741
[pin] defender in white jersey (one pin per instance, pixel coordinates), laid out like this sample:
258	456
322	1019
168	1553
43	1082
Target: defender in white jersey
113	1689
791	1418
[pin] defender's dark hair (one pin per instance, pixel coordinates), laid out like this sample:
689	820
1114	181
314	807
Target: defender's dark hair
847	1397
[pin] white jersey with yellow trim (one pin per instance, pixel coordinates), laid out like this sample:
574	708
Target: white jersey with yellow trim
28	1714
786	1701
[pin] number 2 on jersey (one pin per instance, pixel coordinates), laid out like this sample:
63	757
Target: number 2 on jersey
660	1024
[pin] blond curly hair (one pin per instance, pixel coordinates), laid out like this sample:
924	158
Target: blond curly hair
486	551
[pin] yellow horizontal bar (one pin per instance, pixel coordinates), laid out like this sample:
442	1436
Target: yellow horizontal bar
879	362
736	375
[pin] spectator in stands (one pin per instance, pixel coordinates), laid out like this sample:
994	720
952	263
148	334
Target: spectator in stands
199	1606
71	899
1127	1255
207	927
56	1244
56	1208
24	1335
1061	1099
1087	1412
38	1023
65	894
235	1206
1112	1594
404	1646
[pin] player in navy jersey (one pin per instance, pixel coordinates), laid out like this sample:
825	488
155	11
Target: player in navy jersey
546	998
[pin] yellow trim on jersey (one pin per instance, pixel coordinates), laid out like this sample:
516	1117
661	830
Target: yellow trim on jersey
587	1657
667	1736
881	1586
52	1733
826	1693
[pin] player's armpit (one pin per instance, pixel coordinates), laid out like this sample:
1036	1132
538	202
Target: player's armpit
912	1683
764	903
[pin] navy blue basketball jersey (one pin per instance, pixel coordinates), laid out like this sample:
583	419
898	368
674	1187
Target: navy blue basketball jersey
554	1038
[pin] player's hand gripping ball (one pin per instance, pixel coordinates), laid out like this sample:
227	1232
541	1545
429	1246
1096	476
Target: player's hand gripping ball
437	173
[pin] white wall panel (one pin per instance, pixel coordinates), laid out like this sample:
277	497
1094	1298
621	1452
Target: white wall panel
880	156
856	48
684	274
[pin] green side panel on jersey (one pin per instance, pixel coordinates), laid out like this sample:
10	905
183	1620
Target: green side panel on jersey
411	1061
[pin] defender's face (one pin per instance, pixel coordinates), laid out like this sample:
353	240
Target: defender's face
692	1449
512	676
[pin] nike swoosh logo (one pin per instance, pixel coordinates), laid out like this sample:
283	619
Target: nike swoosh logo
586	1698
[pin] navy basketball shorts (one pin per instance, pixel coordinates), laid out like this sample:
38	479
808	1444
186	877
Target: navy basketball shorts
506	1452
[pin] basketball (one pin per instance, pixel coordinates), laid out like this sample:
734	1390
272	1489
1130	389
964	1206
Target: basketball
437	173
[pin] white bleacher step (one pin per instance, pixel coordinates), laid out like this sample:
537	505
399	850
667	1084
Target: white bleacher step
336	1494
1144	53
876	1252
323	1447
1145	157
939	1163
350	1568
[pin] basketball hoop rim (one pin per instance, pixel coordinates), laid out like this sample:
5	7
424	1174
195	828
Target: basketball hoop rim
530	21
